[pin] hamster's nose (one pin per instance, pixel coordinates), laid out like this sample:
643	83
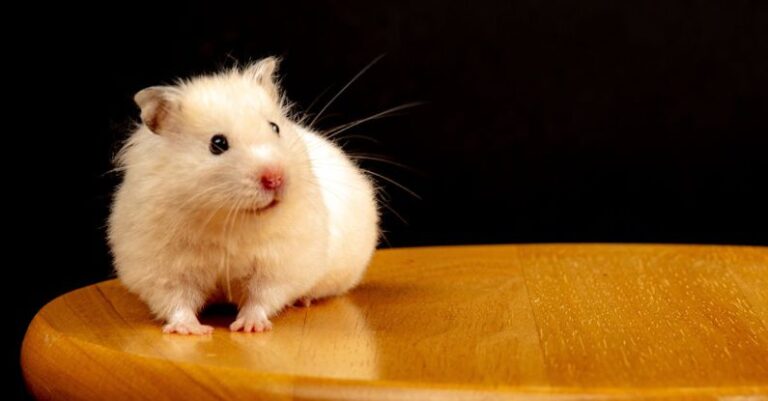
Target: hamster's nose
271	178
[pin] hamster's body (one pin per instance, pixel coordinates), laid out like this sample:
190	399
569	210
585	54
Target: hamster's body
270	214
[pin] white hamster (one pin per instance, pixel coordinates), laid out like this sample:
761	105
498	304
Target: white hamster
224	194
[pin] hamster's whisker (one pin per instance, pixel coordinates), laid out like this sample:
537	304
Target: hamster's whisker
355	136
365	156
181	224
198	195
215	211
379	192
312	104
334	132
391	209
351	81
125	166
381	195
317	185
384	235
227	232
393	182
383	199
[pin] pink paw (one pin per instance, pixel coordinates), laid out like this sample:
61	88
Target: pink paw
251	320
251	325
188	328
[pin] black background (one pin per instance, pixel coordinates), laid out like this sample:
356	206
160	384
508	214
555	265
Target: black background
542	120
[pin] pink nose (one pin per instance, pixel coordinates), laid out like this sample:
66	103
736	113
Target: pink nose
272	178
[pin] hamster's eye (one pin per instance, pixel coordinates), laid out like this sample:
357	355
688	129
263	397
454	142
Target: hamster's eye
275	128
219	144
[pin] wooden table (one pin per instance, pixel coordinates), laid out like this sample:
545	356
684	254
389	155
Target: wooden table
543	322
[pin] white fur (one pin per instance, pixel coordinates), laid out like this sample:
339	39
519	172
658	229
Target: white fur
184	227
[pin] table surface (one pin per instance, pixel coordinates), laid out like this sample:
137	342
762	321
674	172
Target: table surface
547	322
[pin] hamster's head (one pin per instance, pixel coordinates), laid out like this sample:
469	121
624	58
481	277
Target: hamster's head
219	142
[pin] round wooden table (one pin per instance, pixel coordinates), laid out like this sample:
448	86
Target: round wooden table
544	322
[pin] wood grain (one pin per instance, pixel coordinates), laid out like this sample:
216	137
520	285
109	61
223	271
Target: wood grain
543	322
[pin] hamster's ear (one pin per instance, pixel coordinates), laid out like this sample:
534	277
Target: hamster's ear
158	106
263	72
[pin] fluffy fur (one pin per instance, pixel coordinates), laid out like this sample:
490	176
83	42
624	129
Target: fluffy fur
188	226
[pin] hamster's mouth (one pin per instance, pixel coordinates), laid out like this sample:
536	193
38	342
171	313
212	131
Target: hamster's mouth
260	210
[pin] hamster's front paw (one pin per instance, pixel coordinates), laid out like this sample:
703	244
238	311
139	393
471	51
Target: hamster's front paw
185	328
251	320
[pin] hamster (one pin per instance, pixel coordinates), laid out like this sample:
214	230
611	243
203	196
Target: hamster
223	194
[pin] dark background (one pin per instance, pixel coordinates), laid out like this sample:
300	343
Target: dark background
543	120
